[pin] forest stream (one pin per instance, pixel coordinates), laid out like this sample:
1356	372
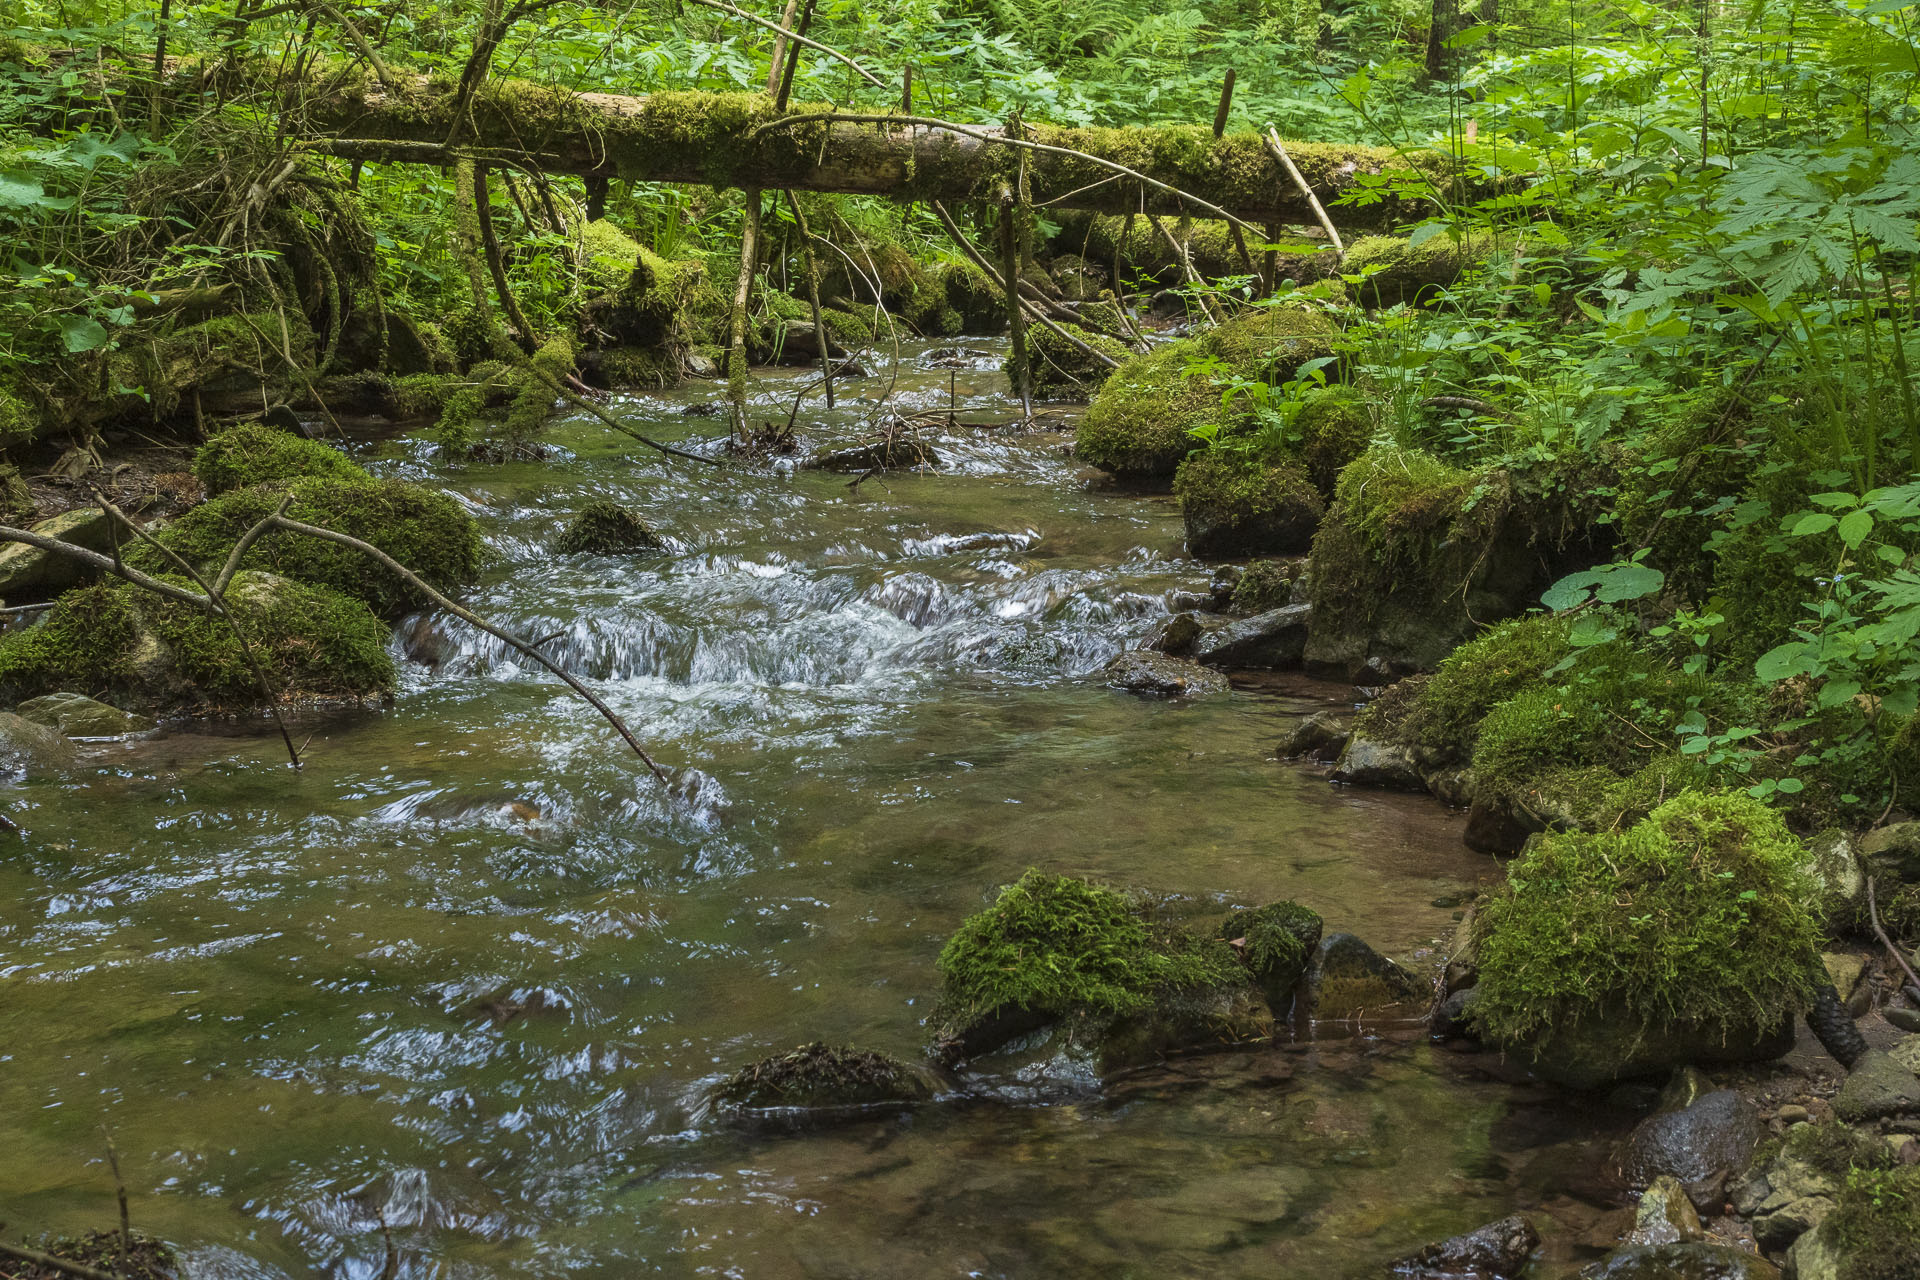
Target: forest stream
467	976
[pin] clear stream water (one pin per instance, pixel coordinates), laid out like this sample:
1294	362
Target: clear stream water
470	972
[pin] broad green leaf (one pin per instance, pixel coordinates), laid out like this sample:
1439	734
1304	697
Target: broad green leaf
1855	526
83	333
1811	523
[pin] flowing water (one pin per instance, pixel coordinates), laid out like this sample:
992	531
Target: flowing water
465	977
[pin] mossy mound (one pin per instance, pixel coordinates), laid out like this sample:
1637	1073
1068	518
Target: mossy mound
1237	502
1058	949
1486	671
1335	427
1266	584
254	453
820	1077
1139	422
1875	1225
1062	371
642	300
606	529
158	654
1398	271
1271	343
427	532
1277	942
1694	918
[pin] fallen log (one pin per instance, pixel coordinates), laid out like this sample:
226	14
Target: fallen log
723	140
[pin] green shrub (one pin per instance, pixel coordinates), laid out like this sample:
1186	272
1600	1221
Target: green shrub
1057	945
427	532
254	453
1696	915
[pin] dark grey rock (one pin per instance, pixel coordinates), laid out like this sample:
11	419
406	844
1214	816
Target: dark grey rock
1178	636
1494	1252
1143	671
1877	1087
1903	1018
1606	1048
1320	736
1700	1144
1371	762
1453	1020
1271	639
822	1078
881	455
1349	979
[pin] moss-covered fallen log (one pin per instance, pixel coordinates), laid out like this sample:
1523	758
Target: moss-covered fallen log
733	140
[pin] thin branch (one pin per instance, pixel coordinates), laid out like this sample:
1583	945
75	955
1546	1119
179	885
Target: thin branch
39	1259
472	619
1873	915
1279	150
245	545
775	27
993	275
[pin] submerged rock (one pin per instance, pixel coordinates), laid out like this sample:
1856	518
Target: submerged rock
1700	1144
881	455
1374	762
78	716
1688	1260
1349	979
1607	1047
1143	671
606	529
29	750
1271	639
822	1078
1497	1251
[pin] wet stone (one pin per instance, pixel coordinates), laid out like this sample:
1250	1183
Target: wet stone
78	716
1700	1144
822	1078
1350	979
1493	1252
29	750
1878	1087
1690	1260
1665	1215
1321	736
1142	671
1275	638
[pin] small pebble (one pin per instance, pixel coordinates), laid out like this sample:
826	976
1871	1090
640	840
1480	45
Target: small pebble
1905	1019
1792	1113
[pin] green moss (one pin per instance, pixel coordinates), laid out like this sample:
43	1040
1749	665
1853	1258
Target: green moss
605	529
1272	342
1696	915
980	307
1485	671
253	453
79	645
425	395
1834	1148
1402	502
636	367
1335	428
1279	937
310	641
1241	502
427	532
1876	1224
1266	584
1138	423
1399	272
20	422
1057	946
256	344
820	1075
1060	370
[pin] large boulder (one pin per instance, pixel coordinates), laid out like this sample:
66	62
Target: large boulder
1239	504
1688	1260
30	571
1700	1144
1266	640
1143	671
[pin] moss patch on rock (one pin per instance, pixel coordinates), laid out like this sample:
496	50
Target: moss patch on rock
1875	1224
1696	915
1062	371
1398	271
1335	428
822	1077
1139	421
1266	584
254	453
1479	675
427	532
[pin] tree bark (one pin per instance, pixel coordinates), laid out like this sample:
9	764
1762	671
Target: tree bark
710	139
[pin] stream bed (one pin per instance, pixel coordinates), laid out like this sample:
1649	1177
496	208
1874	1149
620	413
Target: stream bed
466	977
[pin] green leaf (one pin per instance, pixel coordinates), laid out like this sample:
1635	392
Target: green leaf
1811	523
83	333
1855	526
1629	582
1783	662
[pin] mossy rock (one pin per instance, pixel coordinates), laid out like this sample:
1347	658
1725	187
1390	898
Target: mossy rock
606	529
643	300
980	307
428	532
1058	950
1266	584
620	368
1686	937
1277	942
20	422
1272	342
1235	502
821	1078
1479	675
1062	371
141	650
1335	428
1138	424
1874	1228
254	453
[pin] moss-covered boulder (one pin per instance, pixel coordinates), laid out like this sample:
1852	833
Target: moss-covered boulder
1335	426
1240	502
1121	990
823	1080
1140	422
1872	1233
428	532
1267	584
1398	271
606	529
1061	370
1684	938
642	300
139	650
254	453
1277	942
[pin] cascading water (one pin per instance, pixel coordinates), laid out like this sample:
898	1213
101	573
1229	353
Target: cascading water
469	974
